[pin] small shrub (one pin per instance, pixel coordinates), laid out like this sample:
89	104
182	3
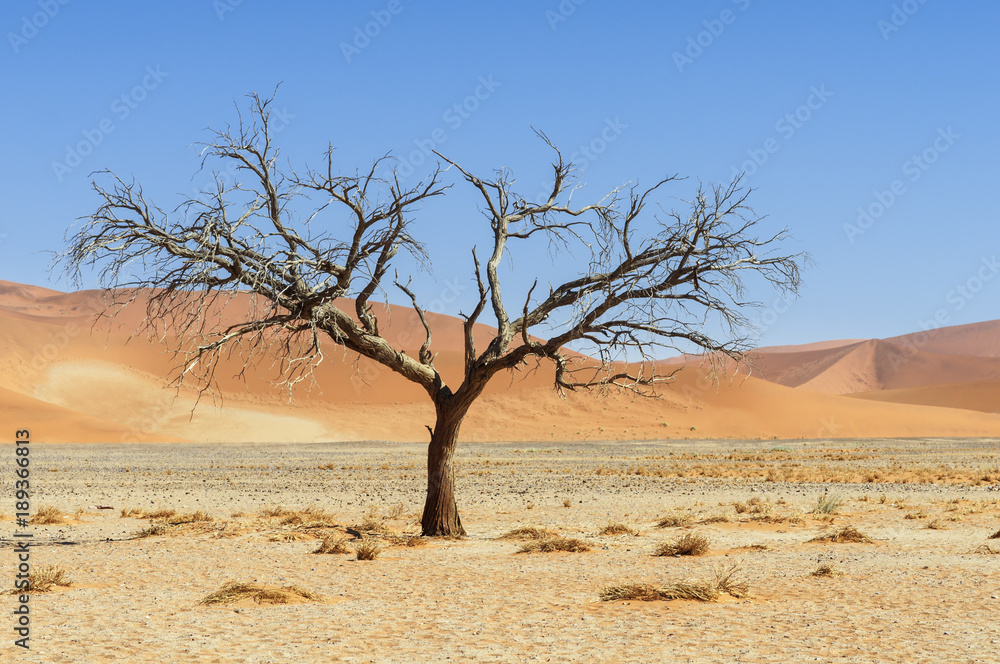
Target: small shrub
274	511
150	531
708	590
847	534
986	549
528	533
367	549
567	503
47	515
43	579
827	570
193	517
755	505
702	591
618	529
332	544
644	592
552	544
715	518
235	591
827	504
727	580
674	521
688	544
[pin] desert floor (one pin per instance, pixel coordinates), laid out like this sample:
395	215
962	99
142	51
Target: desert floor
926	589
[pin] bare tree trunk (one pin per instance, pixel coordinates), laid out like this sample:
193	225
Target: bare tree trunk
440	511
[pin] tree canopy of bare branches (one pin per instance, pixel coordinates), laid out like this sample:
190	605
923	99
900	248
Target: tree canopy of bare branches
652	278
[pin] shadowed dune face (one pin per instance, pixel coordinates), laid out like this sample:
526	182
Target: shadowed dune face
73	380
873	365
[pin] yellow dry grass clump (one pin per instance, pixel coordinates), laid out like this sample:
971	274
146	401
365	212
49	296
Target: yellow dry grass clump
528	533
47	515
705	590
367	549
618	529
827	570
688	544
847	534
43	580
332	544
551	544
236	591
674	521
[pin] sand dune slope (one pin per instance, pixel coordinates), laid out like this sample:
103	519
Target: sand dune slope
981	395
70	380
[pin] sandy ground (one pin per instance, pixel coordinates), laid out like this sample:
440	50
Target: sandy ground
917	594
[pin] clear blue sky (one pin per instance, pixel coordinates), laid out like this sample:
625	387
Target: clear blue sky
839	98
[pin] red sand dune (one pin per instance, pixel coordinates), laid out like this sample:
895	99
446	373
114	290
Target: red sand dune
983	395
979	339
872	365
70	380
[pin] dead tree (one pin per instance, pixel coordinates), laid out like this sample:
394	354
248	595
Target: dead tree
649	281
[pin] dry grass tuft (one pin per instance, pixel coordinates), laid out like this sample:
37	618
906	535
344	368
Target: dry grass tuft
44	579
826	570
674	521
397	511
277	510
755	505
312	516
138	513
290	536
556	543
937	524
827	504
150	531
367	549
47	515
727	581
332	544
985	549
528	533
644	592
708	590
688	544
618	529
193	517
715	518
235	591
847	534
920	514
